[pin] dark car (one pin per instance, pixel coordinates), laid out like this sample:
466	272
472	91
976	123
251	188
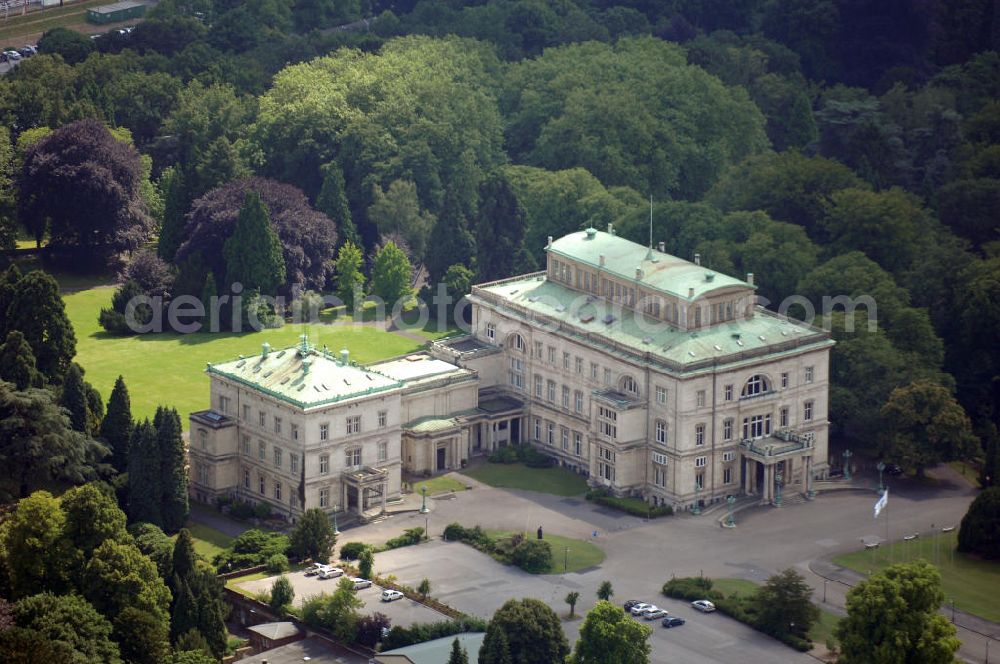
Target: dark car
672	621
836	472
629	604
893	469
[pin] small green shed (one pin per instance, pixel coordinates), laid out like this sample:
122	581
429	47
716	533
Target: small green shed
120	11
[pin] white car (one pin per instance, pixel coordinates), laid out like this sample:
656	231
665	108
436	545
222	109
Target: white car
315	569
654	613
703	605
640	608
390	595
360	583
330	572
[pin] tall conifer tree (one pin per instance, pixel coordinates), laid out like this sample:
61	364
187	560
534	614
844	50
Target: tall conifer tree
451	240
253	252
174	506
17	363
74	397
332	201
37	310
117	425
144	477
175	206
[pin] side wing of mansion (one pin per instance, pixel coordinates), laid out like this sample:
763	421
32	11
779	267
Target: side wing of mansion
653	376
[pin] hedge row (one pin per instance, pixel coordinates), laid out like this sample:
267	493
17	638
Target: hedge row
524	453
738	607
400	637
632	506
531	555
410	537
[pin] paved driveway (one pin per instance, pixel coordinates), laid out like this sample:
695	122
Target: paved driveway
401	612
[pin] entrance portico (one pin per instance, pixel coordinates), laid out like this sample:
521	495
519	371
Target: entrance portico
365	490
783	459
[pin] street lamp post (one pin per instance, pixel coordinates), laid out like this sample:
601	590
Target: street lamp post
696	510
847	464
810	493
881	485
423	505
336	530
825	581
730	501
777	494
566	559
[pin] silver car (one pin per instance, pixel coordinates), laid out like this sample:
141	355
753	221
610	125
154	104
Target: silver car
703	605
360	583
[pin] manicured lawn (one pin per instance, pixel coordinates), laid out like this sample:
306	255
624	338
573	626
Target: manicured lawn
973	583
739	586
823	628
580	555
966	470
557	481
169	368
208	541
436	485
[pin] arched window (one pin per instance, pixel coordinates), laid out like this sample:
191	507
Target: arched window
661	432
516	342
757	384
628	385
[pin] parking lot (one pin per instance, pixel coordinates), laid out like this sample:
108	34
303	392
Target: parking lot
401	612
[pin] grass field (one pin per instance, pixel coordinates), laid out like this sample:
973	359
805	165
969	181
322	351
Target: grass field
40	21
739	586
438	485
208	541
557	481
169	368
966	470
973	583
568	555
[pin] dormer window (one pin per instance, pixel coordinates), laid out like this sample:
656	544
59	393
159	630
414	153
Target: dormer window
757	385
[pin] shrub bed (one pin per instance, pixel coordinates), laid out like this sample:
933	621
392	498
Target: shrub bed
736	606
523	453
400	637
632	506
533	556
254	547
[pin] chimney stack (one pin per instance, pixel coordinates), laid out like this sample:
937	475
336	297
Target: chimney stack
638	273
602	260
690	293
611	228
663	247
750	278
697	259
265	349
549	242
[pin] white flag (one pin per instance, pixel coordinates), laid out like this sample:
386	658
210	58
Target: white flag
882	502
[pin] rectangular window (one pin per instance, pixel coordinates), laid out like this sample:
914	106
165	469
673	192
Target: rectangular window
260	484
352	457
699	434
727	429
700	462
661	395
491	332
246	413
578	401
353	424
538	429
538	385
550	433
809	374
324	497
607	376
784	379
277	425
383	451
552	354
577	443
593	370
807	411
293	463
277	457
202	473
700	398
277	490
246	478
661	432
263	419
223	404
245	445
539	350
261	450
295	431
383	417
727	475
324	432
552	391
579	365
728	456
565	438
607	421
659	477
293	500
324	464
660	458
783	416
729	392
566	357
517	372
565	396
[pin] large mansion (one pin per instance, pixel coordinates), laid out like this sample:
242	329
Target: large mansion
653	376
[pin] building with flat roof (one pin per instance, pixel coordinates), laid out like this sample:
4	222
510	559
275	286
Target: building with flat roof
436	651
653	376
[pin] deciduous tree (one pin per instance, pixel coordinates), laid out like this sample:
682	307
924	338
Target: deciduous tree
282	595
784	605
313	536
32	540
392	274
350	280
605	591
572	598
396	211
17	363
608	636
92	517
893	617
71	626
980	530
533	633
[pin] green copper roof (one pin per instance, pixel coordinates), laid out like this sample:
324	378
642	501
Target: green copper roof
304	376
583	317
663	272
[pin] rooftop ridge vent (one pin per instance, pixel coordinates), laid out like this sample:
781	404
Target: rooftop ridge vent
717	347
240	363
709	276
534	298
256	369
560	307
586	318
761	337
647	340
267	373
608	319
285	379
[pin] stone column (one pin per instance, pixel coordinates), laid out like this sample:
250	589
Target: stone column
385	491
747	480
768	483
